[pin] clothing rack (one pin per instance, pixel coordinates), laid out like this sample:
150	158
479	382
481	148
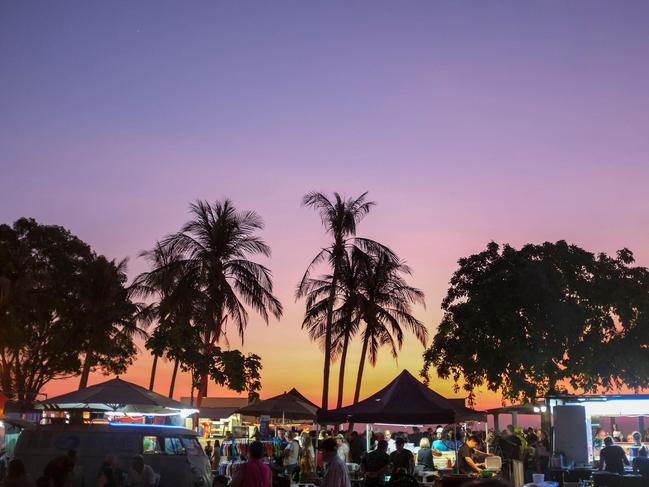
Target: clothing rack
235	449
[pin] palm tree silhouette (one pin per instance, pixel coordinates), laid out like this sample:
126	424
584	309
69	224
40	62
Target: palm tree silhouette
371	292
385	306
214	250
173	303
346	319
339	217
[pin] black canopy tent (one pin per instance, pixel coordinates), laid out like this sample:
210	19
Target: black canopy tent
405	400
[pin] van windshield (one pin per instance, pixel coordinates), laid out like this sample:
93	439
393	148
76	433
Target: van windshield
192	445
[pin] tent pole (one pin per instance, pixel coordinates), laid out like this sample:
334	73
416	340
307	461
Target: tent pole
368	431
457	460
486	434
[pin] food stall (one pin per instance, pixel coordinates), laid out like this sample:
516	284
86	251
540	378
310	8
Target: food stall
406	402
576	419
218	418
595	408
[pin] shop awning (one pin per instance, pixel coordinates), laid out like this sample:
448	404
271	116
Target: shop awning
405	401
117	396
608	405
287	406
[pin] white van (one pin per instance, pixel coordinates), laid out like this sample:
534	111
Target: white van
174	453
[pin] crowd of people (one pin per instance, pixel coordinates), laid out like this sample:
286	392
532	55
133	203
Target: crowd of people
63	471
319	457
378	466
322	457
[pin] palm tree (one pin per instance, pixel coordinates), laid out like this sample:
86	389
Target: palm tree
346	319
216	247
385	306
339	217
161	285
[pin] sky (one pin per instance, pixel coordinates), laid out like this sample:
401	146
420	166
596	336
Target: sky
466	121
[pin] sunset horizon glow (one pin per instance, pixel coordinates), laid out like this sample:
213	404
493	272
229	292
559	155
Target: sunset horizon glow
513	122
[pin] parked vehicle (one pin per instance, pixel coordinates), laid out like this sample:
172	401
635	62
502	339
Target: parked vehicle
173	452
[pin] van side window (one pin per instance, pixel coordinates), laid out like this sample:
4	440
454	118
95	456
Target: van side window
192	445
150	445
173	446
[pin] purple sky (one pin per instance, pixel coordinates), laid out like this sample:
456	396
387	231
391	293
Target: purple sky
466	121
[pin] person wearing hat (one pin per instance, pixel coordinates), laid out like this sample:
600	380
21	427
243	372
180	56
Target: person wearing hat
336	474
343	448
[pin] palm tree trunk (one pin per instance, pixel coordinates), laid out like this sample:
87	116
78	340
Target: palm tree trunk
202	390
327	345
341	374
211	341
153	367
85	373
172	386
361	366
5	375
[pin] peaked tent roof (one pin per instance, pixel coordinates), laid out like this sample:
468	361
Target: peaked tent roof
288	405
296	393
116	395
405	400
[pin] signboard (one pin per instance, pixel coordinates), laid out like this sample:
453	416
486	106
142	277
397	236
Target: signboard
264	427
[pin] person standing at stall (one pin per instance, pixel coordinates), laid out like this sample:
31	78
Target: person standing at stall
375	465
291	454
336	474
356	447
343	448
466	455
402	460
426	453
307	462
612	457
641	464
209	450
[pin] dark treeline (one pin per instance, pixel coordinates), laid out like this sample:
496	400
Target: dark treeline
542	319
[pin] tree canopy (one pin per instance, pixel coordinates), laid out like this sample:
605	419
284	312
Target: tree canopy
542	319
60	305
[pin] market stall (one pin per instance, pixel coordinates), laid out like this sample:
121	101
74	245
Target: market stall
218	418
577	419
282	411
288	406
115	400
407	402
593	408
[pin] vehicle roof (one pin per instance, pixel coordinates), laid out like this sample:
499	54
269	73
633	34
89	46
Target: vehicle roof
118	427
